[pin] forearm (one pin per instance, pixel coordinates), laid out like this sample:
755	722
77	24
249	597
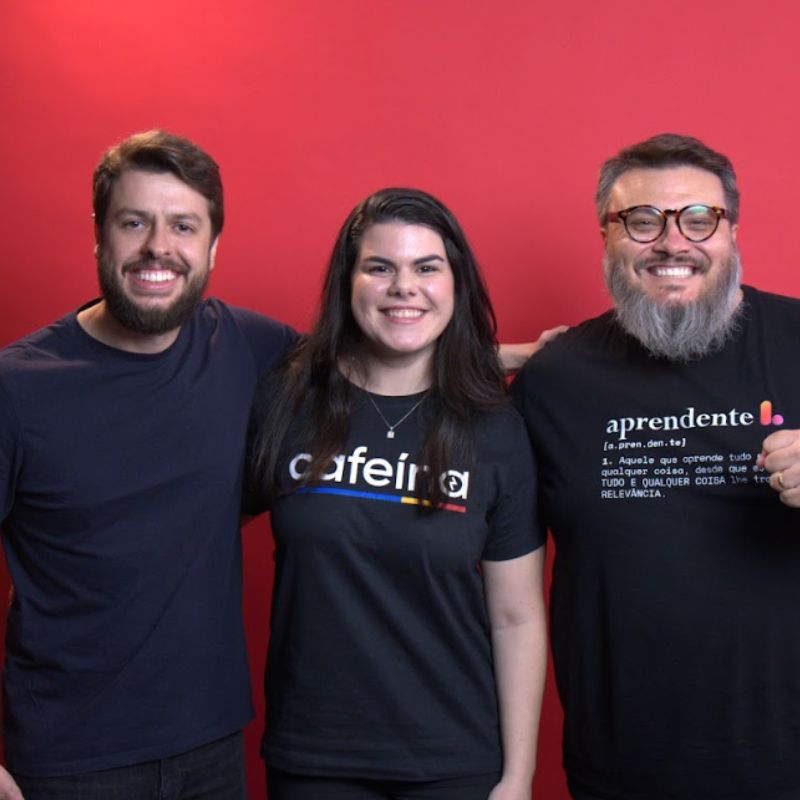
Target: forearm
8	788
520	662
513	356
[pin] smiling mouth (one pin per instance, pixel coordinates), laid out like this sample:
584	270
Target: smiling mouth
675	269
155	276
683	271
403	313
154	272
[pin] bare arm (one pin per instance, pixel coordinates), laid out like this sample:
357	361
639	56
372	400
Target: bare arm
515	605
8	787
514	356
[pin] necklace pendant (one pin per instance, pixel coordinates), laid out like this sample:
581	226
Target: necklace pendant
389	426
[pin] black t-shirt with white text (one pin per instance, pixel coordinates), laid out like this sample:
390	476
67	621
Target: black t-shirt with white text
380	662
677	574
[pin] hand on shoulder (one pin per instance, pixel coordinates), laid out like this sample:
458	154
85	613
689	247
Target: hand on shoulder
514	356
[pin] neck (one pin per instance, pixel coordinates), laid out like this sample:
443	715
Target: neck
101	325
395	377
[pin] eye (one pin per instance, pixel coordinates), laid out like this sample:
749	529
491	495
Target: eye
377	269
132	224
700	223
184	227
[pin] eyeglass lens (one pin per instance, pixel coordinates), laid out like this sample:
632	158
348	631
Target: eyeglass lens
696	223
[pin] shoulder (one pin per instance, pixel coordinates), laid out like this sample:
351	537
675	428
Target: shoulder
249	322
584	338
768	318
503	420
782	305
500	434
32	367
266	338
41	348
583	342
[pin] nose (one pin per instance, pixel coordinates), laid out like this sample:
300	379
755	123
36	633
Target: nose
403	283
157	243
671	240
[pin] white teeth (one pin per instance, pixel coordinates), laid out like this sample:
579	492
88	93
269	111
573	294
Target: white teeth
156	276
404	313
673	272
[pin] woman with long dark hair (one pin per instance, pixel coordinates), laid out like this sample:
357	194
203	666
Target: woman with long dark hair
407	651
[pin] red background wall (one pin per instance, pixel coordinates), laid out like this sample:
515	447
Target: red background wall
502	109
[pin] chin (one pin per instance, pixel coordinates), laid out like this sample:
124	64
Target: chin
674	300
673	296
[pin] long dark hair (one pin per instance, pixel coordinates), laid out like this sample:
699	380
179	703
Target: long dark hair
466	376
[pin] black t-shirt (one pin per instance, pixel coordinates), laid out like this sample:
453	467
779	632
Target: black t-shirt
120	484
676	587
379	661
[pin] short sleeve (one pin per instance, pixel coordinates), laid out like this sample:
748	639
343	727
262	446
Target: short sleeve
10	453
515	527
269	340
253	498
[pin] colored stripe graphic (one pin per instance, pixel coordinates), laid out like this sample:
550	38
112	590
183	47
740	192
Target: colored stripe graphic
765	412
386	498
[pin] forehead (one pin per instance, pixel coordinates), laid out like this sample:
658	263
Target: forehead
155	192
672	187
401	239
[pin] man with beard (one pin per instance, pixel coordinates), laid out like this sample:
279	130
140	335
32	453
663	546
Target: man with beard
665	433
121	445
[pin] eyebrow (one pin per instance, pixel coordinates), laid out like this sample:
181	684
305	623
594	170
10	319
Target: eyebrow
179	215
388	261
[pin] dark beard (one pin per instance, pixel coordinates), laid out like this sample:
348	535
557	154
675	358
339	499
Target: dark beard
149	322
678	331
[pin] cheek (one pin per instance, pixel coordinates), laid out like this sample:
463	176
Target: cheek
443	292
627	262
448	307
450	292
443	298
110	256
721	256
625	254
203	252
360	300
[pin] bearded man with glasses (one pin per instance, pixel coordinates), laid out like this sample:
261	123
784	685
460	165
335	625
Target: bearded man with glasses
672	497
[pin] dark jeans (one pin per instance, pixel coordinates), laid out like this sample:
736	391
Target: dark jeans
288	786
211	772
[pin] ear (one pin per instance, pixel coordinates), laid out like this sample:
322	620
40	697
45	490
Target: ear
734	231
212	253
604	233
97	240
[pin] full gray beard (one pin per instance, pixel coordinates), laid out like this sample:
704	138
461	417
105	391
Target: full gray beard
678	331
